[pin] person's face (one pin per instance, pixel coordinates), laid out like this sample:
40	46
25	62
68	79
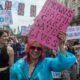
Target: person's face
35	50
4	39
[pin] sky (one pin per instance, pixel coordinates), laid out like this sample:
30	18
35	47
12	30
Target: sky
26	19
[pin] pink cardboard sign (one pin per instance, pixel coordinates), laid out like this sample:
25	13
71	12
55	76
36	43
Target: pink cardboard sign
52	19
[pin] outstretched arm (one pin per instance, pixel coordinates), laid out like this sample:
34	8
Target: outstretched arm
64	60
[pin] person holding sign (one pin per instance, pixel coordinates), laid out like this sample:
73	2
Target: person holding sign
38	67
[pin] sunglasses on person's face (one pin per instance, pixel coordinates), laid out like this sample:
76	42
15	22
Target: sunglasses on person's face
38	48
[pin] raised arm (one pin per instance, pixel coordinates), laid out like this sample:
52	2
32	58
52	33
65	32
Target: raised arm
64	59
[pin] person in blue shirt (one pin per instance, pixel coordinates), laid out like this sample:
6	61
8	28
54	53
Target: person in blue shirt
36	66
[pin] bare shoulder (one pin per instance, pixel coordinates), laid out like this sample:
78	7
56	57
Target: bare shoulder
10	50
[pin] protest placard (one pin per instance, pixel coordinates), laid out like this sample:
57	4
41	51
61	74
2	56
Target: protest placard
73	32
52	19
5	17
25	30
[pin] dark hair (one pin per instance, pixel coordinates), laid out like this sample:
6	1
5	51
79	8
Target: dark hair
6	31
4	49
2	32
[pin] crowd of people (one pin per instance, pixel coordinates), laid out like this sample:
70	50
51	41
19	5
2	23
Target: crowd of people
31	60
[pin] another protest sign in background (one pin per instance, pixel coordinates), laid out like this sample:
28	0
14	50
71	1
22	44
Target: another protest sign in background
73	32
5	17
25	30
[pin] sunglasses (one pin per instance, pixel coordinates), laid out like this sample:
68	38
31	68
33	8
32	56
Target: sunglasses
38	48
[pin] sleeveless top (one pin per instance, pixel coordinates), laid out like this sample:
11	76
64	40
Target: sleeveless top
4	57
